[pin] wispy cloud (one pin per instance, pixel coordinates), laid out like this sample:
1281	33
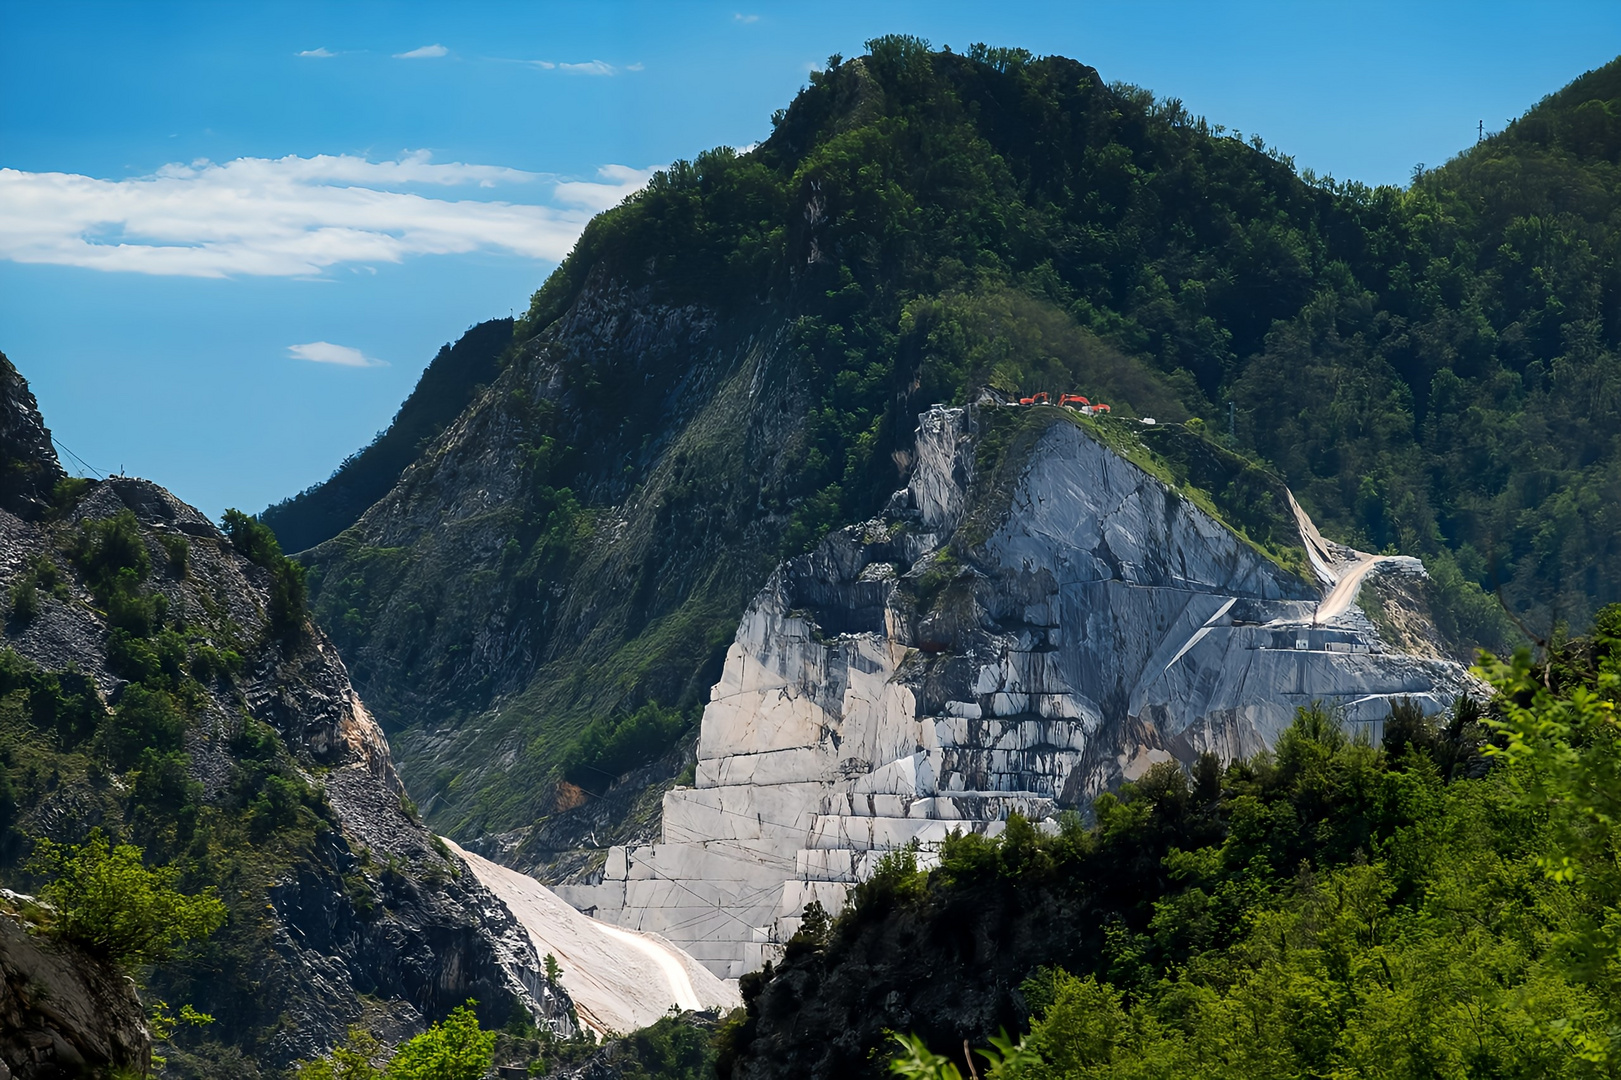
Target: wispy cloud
427	52
583	67
324	352
291	216
742	18
323	53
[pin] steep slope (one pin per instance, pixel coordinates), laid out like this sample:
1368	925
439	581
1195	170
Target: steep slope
728	366
1035	620
324	510
158	680
618	980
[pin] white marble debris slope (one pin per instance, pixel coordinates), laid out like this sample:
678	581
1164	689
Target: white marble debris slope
619	980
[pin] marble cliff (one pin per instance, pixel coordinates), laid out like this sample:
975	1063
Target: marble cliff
991	644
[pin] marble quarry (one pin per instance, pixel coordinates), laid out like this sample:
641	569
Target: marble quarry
944	665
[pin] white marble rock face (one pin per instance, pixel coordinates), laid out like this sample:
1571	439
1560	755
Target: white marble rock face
1106	624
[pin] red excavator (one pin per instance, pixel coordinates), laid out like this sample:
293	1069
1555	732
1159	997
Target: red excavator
1100	407
1036	398
1066	399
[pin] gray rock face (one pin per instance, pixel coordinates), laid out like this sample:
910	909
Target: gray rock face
63	1014
471	614
28	465
969	655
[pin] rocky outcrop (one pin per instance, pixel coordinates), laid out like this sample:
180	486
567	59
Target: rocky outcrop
29	469
1017	642
63	1014
368	919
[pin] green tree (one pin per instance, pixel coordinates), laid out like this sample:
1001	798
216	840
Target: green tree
289	606
351	1061
109	904
455	1049
1564	738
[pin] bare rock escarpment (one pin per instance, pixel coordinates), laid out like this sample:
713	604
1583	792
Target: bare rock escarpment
992	643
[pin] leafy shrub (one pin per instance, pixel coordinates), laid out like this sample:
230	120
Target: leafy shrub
178	549
158	662
24	599
453	1049
288	609
107	903
162	784
279	805
895	880
102	549
209	663
63	702
67	493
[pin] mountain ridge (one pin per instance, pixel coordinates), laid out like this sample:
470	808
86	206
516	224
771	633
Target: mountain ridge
159	680
725	368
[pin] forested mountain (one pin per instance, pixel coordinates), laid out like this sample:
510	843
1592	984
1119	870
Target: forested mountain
730	364
324	510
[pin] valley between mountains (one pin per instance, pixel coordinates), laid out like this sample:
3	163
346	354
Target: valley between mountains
751	663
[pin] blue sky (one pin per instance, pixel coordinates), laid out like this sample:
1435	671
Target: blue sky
233	234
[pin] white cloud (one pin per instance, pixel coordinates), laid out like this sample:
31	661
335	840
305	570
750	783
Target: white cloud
324	352
290	216
427	52
544	65
415	167
618	182
634	67
589	67
323	52
742	18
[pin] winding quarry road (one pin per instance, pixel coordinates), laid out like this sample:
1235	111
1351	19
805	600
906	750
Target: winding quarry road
680	982
1343	594
1342	579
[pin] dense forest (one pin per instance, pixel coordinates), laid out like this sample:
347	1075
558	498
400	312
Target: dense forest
1443	905
1433	370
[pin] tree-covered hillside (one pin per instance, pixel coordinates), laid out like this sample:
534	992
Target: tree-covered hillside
1432	369
730	364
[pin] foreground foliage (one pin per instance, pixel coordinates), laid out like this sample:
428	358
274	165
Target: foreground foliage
107	902
454	1049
